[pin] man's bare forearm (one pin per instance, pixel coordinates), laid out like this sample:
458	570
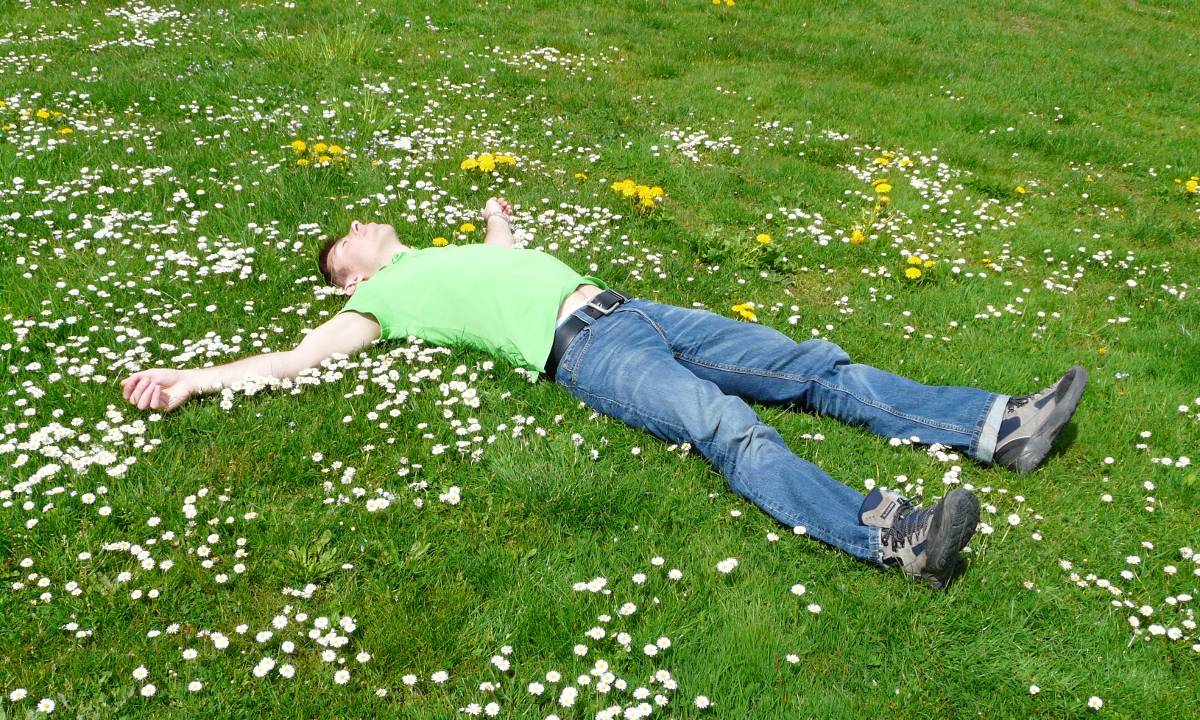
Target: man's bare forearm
498	232
275	364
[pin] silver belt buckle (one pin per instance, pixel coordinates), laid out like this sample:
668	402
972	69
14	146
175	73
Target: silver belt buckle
610	308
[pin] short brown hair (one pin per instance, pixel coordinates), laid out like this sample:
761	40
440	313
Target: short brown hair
323	260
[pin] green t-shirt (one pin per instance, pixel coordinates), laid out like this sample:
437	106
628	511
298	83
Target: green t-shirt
501	300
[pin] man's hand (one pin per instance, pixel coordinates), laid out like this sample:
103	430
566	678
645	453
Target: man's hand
495	205
497	213
159	389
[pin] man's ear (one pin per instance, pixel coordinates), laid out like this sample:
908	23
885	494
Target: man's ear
351	285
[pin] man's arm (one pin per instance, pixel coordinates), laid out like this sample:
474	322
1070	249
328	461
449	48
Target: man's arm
166	389
345	333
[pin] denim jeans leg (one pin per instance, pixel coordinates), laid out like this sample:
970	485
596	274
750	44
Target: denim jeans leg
761	364
621	365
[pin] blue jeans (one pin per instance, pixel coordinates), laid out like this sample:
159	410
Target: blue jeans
684	375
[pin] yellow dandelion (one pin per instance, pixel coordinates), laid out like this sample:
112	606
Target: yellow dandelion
744	310
43	113
335	150
905	162
1101	351
912	273
883	187
581	176
1020	189
656	191
930	263
881	160
729	3
763	238
66	130
299	145
914	260
469	164
1192	185
646	202
487	163
883	200
857	237
320	148
440	242
302	161
466	227
323	158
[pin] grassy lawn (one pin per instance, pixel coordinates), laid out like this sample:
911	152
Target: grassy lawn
421	532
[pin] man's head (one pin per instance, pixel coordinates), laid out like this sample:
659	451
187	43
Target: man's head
354	257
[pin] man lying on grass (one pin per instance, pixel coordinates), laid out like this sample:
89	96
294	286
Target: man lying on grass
684	375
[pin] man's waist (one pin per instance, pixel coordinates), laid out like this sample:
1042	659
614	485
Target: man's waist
577	299
599	305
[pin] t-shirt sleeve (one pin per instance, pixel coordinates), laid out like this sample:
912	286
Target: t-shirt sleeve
362	302
593	280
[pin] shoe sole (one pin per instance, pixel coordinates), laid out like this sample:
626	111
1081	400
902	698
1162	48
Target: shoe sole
1037	447
960	509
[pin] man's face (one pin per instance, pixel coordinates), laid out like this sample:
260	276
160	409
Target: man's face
354	257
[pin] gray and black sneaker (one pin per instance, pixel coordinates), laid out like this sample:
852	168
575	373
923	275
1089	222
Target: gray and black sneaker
1031	422
923	542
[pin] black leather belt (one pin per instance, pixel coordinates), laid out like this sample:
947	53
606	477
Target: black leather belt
597	307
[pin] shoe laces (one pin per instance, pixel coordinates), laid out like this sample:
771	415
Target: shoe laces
911	522
1016	402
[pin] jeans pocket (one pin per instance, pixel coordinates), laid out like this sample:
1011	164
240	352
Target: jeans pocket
568	365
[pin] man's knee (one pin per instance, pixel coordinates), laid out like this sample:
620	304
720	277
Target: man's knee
824	354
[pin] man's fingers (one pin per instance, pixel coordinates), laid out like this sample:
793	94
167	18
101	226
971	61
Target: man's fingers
139	390
147	396
136	391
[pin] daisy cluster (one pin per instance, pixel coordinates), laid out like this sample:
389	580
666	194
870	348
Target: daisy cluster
295	641
16	65
618	664
544	58
196	544
1167	615
145	26
690	143
197	550
39	124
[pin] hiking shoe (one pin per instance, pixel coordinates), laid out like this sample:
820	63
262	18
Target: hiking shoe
923	542
1031	422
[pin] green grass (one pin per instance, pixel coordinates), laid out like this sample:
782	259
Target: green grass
1102	114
